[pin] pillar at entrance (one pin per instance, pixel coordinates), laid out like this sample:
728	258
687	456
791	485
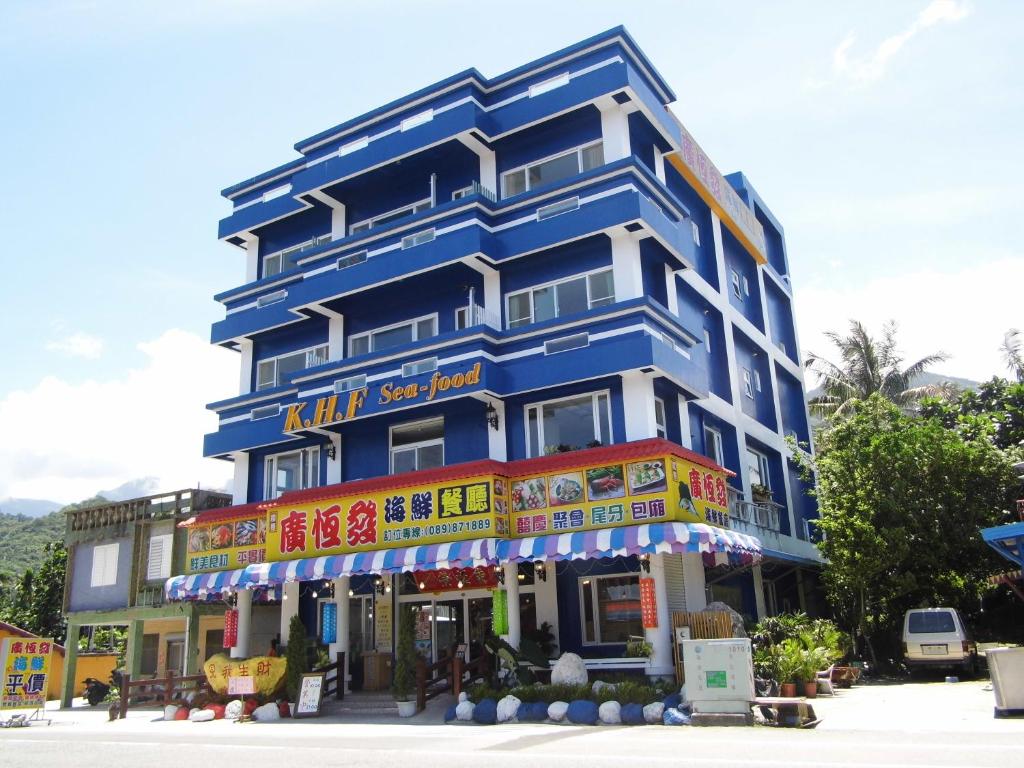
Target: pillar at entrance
511	573
70	662
289	606
693	582
244	607
660	637
341	645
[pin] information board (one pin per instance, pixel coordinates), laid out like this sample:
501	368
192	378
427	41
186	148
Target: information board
25	663
311	694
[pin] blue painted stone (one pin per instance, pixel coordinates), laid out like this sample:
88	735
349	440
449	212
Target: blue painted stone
582	712
532	712
486	712
449	714
673	701
633	714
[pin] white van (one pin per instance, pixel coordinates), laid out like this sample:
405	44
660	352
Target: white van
937	637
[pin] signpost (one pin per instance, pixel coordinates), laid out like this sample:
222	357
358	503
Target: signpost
311	695
25	663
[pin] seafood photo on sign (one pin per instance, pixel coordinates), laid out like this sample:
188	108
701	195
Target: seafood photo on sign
529	494
246	533
647	476
605	483
223	536
199	540
566	488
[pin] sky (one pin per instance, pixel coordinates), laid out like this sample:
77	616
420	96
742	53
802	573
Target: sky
886	136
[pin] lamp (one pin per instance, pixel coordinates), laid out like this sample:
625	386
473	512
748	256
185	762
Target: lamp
492	416
541	571
500	573
331	451
645	563
380	586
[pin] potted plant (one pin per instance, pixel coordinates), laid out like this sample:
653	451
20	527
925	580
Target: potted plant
761	493
295	655
791	662
815	659
638	648
403	683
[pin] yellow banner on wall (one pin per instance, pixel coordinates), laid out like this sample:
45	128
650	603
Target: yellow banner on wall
227	544
26	664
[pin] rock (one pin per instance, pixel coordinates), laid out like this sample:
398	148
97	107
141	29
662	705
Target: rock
486	712
201	715
532	712
653	712
463	697
672	701
250	706
217	709
673	716
464	711
450	713
507	709
610	713
582	712
569	670
182	713
233	709
267	712
633	714
737	619
557	710
170	711
600	685
283	709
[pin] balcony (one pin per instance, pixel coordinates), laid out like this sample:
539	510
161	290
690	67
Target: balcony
762	519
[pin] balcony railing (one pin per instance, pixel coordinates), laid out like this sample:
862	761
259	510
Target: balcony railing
757	517
477	315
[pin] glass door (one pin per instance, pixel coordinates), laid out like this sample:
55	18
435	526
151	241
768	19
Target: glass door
449	627
479	610
175	657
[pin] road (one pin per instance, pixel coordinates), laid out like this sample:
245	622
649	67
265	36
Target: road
862	727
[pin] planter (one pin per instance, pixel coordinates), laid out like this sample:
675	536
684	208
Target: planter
811	689
787	690
406	708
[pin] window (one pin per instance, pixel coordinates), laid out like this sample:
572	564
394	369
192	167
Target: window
159	564
415	120
393	335
564	344
713	446
417	445
458	194
572	422
271	298
390	216
748	385
351	260
921	623
545	302
659	418
104	565
746	286
461	318
757	380
757	466
417	367
352	382
707	340
736	284
282	261
276	192
274	372
696	232
292	471
610	608
549	85
266	412
417	239
563	206
150	652
552	169
354	146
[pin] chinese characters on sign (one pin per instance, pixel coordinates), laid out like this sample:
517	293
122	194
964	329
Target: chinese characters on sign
26	664
648	603
227	544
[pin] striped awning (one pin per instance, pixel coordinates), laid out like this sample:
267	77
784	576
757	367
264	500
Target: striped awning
718	545
200	584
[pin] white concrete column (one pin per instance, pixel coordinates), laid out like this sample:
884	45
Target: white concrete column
762	612
626	271
338	224
547	598
341	645
240	483
334	467
336	337
660	637
614	130
497	445
489	170
685	438
245	366
659	165
243	605
672	296
252	257
492	295
638	405
289	607
511	573
693	582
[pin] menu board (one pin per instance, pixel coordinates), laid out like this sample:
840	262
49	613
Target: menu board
227	544
311	695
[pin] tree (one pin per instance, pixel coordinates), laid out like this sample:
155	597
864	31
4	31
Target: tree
994	412
404	679
901	501
36	602
1013	352
868	366
296	657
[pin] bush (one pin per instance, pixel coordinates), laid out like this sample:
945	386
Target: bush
296	657
405	655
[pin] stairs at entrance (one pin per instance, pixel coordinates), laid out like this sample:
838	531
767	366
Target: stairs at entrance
366	703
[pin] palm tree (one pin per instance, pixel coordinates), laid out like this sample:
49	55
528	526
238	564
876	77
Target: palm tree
1013	352
868	366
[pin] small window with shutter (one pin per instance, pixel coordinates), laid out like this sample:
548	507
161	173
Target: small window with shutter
159	563
104	565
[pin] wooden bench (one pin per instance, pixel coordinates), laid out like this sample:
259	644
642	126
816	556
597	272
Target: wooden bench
787	712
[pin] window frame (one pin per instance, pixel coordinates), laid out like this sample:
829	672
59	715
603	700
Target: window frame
539	408
736	290
763	467
719	457
166	554
106	574
277	358
373	221
585	276
660	429
305	471
525	167
414	322
298	248
591	584
415	446
748	383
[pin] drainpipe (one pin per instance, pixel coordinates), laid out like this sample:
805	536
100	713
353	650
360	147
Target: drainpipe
433	190
470	320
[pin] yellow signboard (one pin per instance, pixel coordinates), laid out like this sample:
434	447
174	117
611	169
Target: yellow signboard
468	508
227	544
266	672
658	489
26	664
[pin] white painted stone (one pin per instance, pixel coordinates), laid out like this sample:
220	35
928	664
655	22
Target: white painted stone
569	670
600	685
464	711
507	709
463	697
170	711
267	712
654	712
201	715
557	710
233	709
610	713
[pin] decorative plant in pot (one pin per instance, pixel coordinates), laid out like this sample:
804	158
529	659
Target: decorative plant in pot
638	648
815	659
403	683
298	660
791	662
761	492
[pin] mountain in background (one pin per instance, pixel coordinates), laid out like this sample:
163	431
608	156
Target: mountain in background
28	507
925	378
22	540
133	489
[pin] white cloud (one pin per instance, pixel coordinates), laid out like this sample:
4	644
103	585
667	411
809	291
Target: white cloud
65	441
78	344
867	68
964	313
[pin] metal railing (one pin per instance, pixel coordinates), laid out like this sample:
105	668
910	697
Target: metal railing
477	315
763	514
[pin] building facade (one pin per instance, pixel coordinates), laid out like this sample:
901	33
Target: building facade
503	269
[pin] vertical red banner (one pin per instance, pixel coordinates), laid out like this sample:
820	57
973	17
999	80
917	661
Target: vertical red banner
230	628
648	603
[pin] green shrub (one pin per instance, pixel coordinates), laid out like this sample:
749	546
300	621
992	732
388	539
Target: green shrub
404	680
296	657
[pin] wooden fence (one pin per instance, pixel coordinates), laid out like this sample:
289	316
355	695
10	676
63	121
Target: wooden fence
704	625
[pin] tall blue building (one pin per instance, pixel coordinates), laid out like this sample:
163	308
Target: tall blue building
503	268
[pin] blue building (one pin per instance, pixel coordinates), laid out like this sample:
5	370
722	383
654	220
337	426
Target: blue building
503	268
